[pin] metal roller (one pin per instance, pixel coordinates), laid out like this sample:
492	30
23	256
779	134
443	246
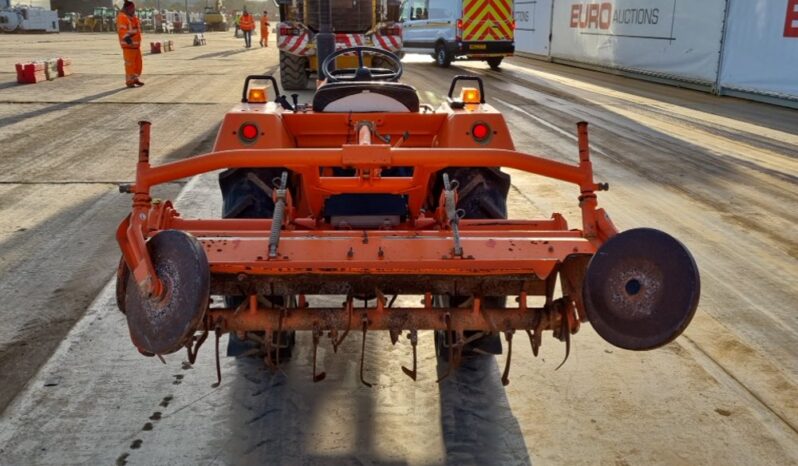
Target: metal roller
641	289
164	324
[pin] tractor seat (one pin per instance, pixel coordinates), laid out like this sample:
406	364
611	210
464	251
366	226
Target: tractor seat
366	97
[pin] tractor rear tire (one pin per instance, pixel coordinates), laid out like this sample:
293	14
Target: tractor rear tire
244	196
482	193
293	71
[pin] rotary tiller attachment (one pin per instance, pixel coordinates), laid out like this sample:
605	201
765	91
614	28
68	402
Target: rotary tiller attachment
641	289
165	323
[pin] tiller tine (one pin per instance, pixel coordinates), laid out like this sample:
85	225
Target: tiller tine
336	342
565	335
455	347
193	350
363	352
508	335
218	332
413	337
317	377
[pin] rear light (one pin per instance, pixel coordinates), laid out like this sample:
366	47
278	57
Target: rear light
512	25
459	24
480	132
248	133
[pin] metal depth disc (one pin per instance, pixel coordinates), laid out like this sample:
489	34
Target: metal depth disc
162	325
641	289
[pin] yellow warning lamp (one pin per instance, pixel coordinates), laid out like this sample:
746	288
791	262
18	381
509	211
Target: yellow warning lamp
470	95
257	96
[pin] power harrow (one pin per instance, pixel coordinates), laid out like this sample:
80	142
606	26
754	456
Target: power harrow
365	195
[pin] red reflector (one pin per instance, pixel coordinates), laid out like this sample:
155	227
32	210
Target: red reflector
480	131
249	132
459	24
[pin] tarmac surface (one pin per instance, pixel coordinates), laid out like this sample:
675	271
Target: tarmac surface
721	174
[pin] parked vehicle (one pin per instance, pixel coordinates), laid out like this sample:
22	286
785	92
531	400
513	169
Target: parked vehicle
370	23
459	30
28	19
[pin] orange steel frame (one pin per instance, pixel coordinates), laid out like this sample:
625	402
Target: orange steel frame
421	245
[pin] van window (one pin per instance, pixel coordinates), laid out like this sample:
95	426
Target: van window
438	9
419	10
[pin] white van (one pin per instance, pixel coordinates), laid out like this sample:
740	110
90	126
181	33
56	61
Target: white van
459	29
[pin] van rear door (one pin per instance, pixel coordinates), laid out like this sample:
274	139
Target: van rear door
486	27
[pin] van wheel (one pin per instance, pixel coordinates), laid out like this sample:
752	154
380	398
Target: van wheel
442	57
495	62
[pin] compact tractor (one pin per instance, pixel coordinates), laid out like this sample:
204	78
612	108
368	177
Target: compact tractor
366	194
352	23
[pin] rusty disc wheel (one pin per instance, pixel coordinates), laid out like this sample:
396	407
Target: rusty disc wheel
162	325
641	289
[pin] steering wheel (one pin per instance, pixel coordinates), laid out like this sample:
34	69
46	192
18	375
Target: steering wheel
362	73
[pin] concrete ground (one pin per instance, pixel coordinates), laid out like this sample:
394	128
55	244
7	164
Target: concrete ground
720	174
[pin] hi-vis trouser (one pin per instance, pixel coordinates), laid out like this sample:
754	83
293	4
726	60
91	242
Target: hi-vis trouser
133	64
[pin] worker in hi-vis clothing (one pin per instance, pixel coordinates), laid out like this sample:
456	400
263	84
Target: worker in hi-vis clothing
129	28
264	30
247	25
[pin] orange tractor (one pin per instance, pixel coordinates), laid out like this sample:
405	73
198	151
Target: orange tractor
366	194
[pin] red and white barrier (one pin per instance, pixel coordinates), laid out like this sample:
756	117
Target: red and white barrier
162	46
391	43
64	67
31	73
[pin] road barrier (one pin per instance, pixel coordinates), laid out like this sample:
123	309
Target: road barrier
162	46
51	69
64	67
43	70
30	73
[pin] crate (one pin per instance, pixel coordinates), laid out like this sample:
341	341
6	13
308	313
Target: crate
64	67
30	73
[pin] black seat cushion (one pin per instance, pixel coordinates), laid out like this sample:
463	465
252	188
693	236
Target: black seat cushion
402	93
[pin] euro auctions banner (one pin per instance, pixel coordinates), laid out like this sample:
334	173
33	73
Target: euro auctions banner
761	49
674	38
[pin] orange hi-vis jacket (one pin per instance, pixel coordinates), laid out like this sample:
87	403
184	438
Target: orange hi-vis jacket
247	23
264	24
128	25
